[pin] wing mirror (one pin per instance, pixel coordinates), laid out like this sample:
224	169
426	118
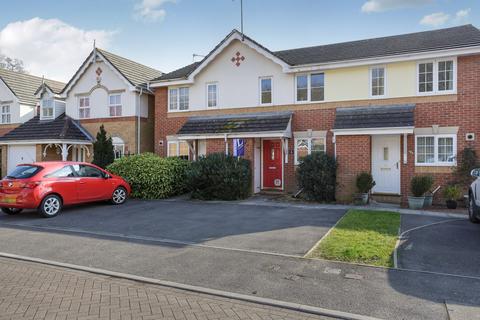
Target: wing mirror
475	173
107	176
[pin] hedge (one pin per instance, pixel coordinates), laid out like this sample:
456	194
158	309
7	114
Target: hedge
316	175
222	177
152	177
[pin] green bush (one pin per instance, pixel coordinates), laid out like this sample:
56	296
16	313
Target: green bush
152	177
365	182
218	176
317	176
421	185
452	192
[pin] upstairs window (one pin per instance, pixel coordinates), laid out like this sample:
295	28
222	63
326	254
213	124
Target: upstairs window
435	150
377	82
266	90
212	93
310	88
436	76
47	108
178	99
84	108
115	105
6	116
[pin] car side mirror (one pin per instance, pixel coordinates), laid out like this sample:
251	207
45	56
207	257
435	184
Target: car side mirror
106	176
475	173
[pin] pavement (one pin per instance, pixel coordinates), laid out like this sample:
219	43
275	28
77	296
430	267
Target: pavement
241	248
37	291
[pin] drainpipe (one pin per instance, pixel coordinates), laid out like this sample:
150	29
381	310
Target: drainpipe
138	119
226	145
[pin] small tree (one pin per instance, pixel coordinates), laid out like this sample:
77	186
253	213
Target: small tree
317	176
103	149
468	162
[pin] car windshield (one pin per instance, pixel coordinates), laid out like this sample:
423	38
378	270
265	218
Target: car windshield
24	172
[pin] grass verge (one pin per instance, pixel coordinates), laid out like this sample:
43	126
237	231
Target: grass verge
361	236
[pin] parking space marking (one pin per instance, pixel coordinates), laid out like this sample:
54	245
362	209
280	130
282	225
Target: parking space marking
427	225
149	239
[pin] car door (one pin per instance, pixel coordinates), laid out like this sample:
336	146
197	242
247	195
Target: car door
476	191
92	185
63	181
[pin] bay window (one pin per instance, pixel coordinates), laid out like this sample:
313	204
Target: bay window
310	87
435	150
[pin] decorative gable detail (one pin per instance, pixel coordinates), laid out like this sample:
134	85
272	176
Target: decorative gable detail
237	59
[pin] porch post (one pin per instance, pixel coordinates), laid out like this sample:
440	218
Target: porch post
64	152
405	149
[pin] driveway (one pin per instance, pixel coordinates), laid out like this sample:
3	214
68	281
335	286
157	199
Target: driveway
290	231
440	245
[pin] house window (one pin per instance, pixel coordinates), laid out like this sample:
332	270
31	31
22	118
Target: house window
118	147
435	150
115	105
47	108
445	75
377	81
266	90
178	149
307	146
84	108
212	95
436	76
6	116
178	99
310	87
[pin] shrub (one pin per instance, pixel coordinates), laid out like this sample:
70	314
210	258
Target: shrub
452	192
468	162
152	177
420	185
218	176
103	149
365	182
317	176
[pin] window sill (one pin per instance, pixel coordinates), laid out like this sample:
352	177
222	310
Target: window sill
436	164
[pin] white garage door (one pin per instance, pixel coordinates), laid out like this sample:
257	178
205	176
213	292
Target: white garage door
20	154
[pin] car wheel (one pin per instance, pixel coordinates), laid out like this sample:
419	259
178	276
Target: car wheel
472	210
50	206
119	196
11	211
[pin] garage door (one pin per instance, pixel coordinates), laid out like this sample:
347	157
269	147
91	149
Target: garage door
20	154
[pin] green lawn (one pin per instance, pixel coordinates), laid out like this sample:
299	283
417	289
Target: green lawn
361	236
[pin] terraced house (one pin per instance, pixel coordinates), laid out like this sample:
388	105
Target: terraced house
57	121
394	106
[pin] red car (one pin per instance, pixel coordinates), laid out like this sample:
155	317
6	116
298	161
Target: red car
48	186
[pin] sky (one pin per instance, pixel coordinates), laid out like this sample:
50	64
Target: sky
53	38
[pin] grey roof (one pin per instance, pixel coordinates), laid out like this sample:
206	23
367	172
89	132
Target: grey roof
240	123
455	37
25	85
135	72
61	128
375	117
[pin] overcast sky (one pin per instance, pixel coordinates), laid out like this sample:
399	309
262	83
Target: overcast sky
54	37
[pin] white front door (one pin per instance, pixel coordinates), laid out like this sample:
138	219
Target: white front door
20	154
386	164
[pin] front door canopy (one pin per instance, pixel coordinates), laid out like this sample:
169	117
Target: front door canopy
390	119
253	125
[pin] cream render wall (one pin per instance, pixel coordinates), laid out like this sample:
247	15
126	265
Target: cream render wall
239	86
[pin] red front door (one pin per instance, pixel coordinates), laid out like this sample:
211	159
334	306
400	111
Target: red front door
272	164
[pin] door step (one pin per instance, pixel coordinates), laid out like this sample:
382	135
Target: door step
386	198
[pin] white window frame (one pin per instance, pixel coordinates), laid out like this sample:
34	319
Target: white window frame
84	108
435	77
437	163
309	146
115	105
260	91
177	143
309	87
207	96
42	116
370	79
177	103
7	115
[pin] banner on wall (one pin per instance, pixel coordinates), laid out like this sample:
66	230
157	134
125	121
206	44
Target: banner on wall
238	147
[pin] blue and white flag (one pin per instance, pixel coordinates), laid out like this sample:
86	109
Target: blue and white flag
238	147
